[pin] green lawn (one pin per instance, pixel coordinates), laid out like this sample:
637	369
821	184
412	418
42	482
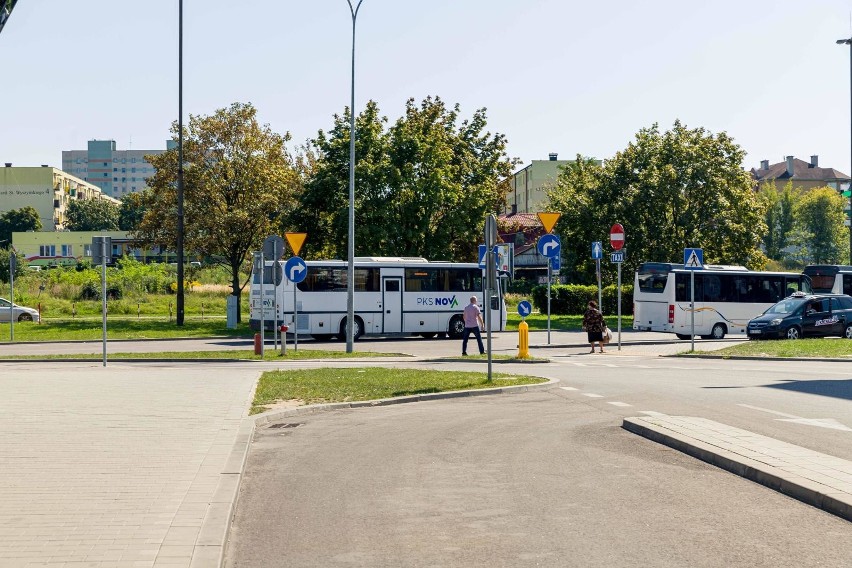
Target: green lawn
121	328
315	386
538	321
817	348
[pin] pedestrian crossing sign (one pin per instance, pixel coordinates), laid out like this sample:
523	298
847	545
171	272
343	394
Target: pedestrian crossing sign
693	259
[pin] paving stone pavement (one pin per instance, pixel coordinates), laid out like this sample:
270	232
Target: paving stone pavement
115	466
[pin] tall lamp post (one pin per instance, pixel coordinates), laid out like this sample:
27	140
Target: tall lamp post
350	273
849	43
180	294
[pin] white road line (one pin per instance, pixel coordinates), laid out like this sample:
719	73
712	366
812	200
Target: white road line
568	388
652	413
830	423
592	395
784	414
619	404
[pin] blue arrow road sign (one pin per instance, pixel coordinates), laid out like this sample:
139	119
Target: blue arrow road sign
555	263
597	250
549	246
295	269
693	259
524	308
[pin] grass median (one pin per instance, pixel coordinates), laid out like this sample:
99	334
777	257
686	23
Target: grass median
230	354
538	321
817	348
318	386
122	328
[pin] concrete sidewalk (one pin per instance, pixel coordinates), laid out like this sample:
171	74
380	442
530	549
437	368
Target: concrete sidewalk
817	479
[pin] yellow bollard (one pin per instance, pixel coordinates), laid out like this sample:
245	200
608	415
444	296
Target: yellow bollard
523	340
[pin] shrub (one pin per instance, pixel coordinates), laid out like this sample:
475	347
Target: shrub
567	299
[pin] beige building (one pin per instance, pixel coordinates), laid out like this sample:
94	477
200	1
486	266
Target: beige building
804	175
60	248
529	185
48	190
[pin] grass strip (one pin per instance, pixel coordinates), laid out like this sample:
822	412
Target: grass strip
242	355
317	386
538	322
90	329
816	348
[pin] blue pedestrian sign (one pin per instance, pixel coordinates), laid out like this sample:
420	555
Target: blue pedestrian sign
549	246
597	250
482	251
295	269
524	308
693	259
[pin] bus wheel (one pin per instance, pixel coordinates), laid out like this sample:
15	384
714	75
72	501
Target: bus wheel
456	327
718	331
357	332
682	336
428	335
793	333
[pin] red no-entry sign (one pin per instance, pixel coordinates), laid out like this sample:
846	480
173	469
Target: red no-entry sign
616	236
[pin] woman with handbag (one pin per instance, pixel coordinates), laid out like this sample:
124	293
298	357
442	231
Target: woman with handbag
595	326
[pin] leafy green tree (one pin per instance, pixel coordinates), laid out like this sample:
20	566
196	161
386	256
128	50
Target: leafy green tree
423	186
670	190
132	210
18	221
820	228
5	253
91	215
238	181
779	218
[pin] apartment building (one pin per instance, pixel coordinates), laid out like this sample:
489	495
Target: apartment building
116	172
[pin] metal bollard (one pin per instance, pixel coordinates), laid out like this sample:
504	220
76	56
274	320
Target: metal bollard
523	340
257	346
283	330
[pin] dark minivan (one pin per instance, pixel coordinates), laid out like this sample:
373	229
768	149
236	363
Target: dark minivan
804	315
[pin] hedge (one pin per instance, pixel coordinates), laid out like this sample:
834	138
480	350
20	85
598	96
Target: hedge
567	299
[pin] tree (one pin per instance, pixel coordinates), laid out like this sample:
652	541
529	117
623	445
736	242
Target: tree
423	186
91	215
5	253
779	218
238	182
132	210
820	227
671	190
18	221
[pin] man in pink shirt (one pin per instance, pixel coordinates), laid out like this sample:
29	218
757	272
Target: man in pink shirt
472	324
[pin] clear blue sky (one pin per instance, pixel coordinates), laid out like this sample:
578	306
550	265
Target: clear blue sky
555	76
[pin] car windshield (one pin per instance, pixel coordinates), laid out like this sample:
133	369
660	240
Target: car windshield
787	306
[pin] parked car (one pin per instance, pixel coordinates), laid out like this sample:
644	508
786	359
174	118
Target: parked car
20	313
804	315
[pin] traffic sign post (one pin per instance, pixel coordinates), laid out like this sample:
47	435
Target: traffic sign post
259	268
273	248
693	259
549	246
12	267
597	254
296	270
616	240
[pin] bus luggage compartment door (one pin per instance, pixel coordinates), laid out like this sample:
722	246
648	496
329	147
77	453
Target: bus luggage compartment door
392	305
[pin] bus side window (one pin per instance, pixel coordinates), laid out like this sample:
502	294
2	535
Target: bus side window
847	284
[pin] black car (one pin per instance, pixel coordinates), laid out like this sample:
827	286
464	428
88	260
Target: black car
804	315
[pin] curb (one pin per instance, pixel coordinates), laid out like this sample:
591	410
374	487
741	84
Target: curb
799	488
756	357
211	546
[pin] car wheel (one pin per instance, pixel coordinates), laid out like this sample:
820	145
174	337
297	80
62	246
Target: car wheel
718	331
25	317
683	336
357	331
793	333
847	333
456	327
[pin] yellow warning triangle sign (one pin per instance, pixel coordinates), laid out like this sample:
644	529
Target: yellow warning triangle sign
296	241
549	220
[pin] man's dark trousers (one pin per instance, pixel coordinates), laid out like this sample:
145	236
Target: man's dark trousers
475	332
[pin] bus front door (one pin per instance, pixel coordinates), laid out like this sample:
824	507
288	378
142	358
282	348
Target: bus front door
392	305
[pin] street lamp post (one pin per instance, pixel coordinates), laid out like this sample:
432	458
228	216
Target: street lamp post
849	43
350	273
180	294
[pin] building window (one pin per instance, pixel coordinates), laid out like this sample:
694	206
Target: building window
47	250
67	250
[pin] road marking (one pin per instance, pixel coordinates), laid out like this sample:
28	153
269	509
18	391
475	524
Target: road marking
568	388
652	413
592	395
619	404
829	423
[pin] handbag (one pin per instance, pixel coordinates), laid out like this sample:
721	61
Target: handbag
607	335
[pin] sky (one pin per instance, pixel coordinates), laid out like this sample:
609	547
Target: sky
554	76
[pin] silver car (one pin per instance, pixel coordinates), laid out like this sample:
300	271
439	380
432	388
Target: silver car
20	313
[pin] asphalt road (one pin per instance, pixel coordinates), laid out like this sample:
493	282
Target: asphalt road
539	479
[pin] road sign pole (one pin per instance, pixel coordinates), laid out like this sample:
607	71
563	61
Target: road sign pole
274	297
262	300
295	319
548	300
619	306
692	305
104	300
600	293
12	298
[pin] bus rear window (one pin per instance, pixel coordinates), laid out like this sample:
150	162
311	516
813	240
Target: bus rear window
653	280
822	284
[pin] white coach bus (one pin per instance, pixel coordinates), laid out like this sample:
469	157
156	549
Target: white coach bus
726	297
393	296
830	278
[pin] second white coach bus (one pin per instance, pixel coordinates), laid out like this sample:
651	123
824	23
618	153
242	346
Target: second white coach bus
830	278
393	296
726	298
